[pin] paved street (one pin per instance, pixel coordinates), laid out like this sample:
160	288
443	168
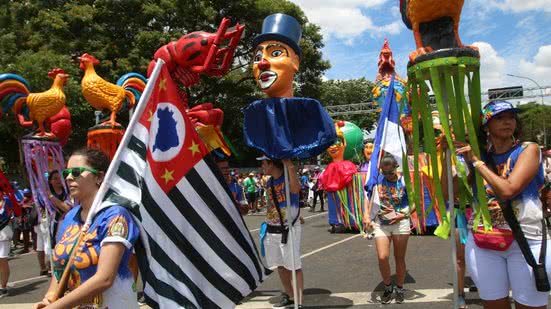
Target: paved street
340	272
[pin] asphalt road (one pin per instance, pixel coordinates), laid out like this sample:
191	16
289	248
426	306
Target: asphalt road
340	270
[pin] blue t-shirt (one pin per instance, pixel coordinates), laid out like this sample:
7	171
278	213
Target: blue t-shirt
304	181
236	188
272	216
111	225
392	193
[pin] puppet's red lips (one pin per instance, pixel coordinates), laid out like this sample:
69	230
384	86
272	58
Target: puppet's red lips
265	76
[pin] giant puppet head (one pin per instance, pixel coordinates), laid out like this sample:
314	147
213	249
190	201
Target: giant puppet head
386	63
336	151
276	57
368	150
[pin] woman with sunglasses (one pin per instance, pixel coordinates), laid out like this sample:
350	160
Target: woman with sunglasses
99	275
391	225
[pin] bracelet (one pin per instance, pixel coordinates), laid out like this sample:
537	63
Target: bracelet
478	163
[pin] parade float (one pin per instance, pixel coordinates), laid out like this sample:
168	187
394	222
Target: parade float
42	150
386	68
441	64
342	182
209	54
425	216
283	126
105	96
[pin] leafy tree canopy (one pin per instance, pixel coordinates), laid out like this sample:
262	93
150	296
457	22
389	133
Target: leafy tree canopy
38	35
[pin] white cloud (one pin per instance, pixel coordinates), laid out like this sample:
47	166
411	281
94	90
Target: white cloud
494	69
539	68
492	66
521	5
344	19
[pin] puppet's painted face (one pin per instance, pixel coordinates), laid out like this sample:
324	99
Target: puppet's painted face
368	150
336	151
274	68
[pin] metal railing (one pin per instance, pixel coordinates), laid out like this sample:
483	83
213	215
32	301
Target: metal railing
371	107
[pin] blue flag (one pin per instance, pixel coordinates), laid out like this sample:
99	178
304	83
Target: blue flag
388	138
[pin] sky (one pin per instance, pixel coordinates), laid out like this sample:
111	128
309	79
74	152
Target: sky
513	36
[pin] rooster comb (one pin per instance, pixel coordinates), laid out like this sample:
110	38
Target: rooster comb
53	73
386	47
87	56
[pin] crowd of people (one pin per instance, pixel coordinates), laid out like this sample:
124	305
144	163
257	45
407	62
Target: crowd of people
515	256
250	190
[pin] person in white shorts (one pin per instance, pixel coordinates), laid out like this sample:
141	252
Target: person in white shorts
278	241
513	174
391	224
6	234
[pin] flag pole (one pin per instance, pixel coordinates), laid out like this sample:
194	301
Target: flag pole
140	107
291	236
451	207
109	176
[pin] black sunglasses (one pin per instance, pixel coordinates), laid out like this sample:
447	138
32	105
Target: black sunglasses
77	171
389	173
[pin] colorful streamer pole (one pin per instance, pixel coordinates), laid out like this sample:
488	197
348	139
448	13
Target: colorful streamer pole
41	157
448	77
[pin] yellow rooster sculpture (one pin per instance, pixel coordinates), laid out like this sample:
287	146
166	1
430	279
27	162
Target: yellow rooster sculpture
103	95
35	106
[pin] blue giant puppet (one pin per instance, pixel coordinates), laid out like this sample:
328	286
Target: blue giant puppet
282	126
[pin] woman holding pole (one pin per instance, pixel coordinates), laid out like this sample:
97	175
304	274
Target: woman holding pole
278	248
98	275
513	174
45	235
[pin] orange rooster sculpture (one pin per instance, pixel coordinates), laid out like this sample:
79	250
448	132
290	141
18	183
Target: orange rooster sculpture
103	95
430	21
39	107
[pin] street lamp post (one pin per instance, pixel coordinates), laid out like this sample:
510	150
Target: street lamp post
542	104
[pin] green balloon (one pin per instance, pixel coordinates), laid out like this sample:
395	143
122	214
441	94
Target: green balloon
354	140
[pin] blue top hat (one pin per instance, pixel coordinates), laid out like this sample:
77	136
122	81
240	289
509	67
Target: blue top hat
283	28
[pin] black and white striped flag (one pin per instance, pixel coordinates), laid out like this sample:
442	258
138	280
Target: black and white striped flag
195	249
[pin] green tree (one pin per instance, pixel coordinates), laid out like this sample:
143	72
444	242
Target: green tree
341	92
38	35
532	117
